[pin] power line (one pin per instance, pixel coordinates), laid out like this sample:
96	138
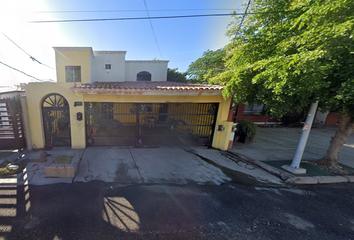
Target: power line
138	18
138	10
161	17
9	69
23	72
243	18
153	30
32	58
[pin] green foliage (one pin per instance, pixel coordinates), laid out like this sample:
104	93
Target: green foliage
174	76
293	52
247	127
207	66
4	170
63	159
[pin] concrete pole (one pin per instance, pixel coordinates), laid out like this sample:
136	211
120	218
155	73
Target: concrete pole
304	136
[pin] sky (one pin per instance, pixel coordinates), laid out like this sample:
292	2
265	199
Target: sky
181	40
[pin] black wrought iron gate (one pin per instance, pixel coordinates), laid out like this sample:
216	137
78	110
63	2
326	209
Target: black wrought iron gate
56	121
150	124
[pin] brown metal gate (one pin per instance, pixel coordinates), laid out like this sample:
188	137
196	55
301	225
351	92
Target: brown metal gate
11	129
150	124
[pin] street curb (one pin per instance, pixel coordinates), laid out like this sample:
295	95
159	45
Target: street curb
350	178
296	180
281	174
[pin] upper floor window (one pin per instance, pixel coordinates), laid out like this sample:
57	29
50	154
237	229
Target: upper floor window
143	76
73	73
107	66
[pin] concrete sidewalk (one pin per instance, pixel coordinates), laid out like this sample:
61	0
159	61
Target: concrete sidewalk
280	143
198	165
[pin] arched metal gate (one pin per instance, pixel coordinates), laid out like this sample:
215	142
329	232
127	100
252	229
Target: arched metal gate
56	121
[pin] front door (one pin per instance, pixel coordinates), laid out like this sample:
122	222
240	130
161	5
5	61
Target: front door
56	121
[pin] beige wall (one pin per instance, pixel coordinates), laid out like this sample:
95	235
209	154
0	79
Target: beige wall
73	57
117	61
92	65
35	93
158	69
221	138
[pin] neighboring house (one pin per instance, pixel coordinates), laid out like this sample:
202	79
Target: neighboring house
101	99
10	92
254	113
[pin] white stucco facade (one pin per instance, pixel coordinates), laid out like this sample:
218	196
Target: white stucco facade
116	60
157	69
106	66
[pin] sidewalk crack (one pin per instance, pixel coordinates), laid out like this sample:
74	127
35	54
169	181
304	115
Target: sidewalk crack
137	168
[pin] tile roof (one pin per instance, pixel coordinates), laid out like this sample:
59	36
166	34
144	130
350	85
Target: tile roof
153	85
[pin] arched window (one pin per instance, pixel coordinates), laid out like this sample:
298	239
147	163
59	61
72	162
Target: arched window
143	76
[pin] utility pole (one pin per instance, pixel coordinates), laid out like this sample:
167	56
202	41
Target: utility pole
295	165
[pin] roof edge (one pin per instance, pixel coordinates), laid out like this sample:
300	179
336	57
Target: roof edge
157	61
71	48
109	52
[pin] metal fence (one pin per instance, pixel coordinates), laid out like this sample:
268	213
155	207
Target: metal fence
11	129
149	124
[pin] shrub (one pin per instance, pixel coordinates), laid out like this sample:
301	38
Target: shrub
246	127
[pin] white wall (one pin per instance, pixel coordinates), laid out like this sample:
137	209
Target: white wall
117	71
158	69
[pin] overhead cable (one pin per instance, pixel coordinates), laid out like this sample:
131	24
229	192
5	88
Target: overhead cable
153	30
24	73
243	18
138	10
32	58
146	18
137	18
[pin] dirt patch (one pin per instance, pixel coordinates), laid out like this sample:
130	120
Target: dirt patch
62	159
341	170
41	159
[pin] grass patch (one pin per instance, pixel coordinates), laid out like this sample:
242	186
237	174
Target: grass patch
62	159
4	171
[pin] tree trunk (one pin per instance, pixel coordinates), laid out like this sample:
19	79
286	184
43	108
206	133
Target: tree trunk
345	129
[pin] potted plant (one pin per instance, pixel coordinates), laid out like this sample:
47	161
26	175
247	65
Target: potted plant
95	118
94	122
246	130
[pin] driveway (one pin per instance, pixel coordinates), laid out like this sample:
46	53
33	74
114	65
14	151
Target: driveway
131	166
162	165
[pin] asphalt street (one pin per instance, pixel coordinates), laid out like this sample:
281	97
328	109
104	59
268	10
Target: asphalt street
98	210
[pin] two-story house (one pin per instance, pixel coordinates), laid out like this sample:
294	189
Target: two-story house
102	99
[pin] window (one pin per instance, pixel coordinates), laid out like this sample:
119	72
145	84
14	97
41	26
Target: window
253	110
73	73
143	76
107	66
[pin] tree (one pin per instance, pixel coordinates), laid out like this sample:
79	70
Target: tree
290	53
207	66
174	76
